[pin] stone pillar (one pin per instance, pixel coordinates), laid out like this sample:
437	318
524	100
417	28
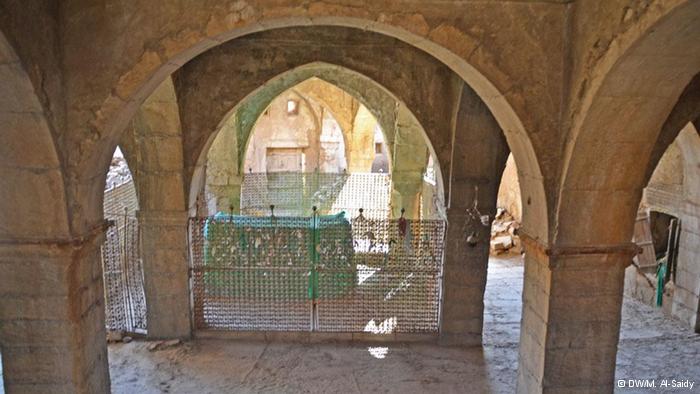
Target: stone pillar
571	318
359	142
410	158
228	196
478	158
52	324
686	296
406	193
166	273
464	273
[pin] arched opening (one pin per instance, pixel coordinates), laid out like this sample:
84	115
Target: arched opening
665	274
618	123
122	269
457	193
510	119
591	93
34	212
506	116
138	100
384	325
504	284
361	277
380	137
538	202
300	160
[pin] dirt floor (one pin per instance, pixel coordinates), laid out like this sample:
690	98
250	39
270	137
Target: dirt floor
651	347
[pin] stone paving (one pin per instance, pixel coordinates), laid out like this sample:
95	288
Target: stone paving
651	347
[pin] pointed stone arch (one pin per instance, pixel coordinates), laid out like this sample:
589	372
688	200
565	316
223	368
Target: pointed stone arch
374	96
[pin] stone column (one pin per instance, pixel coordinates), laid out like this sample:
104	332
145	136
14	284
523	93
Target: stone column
571	318
464	273
410	158
52	324
228	196
406	193
686	295
478	159
166	273
359	142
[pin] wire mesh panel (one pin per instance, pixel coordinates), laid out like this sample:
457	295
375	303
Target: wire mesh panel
321	273
294	194
389	283
120	198
125	300
251	273
370	192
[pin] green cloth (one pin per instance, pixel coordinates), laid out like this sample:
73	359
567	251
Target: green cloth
661	280
278	257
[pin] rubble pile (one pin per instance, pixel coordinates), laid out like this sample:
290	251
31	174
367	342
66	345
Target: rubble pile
118	173
504	234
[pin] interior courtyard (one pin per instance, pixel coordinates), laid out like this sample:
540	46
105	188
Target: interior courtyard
281	196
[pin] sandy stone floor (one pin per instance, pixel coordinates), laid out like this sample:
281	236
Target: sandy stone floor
651	347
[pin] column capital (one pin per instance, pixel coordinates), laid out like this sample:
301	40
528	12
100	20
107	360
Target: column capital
535	246
52	247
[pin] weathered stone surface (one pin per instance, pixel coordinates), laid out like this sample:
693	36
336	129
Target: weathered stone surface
581	90
474	176
52	330
571	315
426	88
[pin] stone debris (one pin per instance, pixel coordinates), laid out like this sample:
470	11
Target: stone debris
504	234
162	345
115	336
127	339
502	243
118	173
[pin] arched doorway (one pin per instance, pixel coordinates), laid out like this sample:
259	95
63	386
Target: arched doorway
122	269
328	265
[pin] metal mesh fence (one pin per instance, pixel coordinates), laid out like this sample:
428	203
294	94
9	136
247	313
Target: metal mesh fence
251	273
323	273
397	266
294	194
125	301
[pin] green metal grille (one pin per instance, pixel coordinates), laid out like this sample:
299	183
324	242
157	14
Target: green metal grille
322	273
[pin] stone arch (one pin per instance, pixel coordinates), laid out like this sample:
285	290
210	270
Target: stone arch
32	190
41	256
686	110
674	189
305	106
367	92
333	74
345	115
341	111
618	123
153	144
153	147
448	44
